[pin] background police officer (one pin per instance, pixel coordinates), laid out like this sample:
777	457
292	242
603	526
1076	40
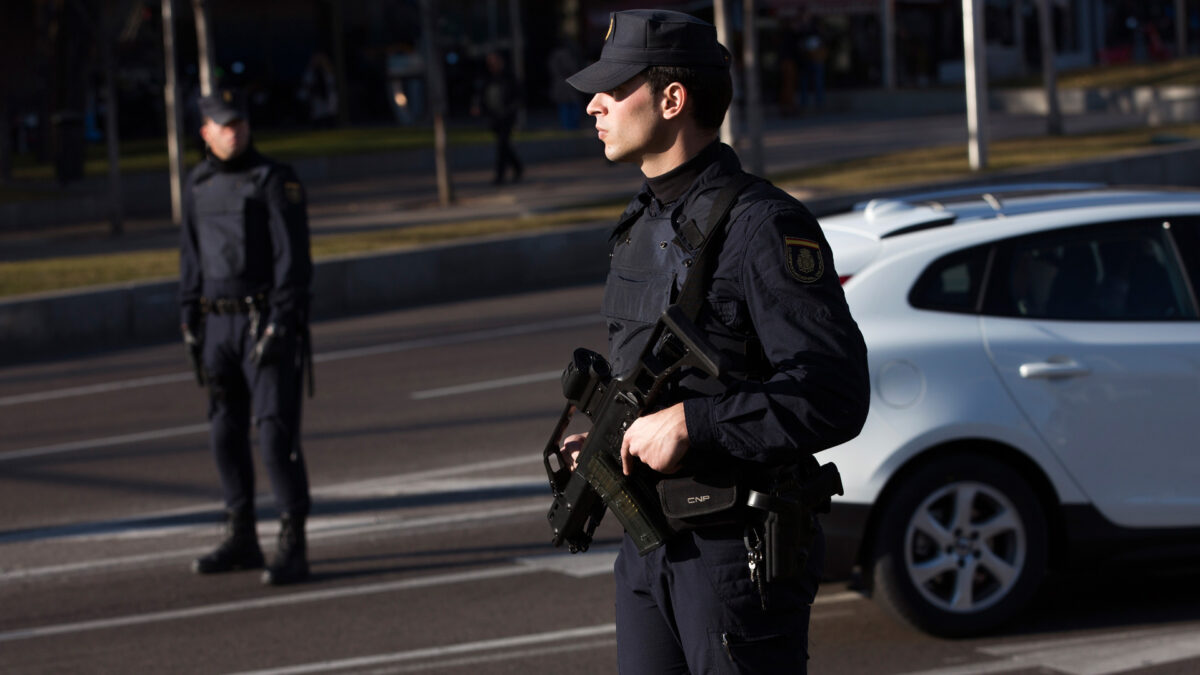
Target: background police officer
244	289
797	380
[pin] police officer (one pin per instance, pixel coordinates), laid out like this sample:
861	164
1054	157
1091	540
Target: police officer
244	290
773	305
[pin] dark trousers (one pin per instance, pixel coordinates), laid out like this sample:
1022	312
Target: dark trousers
506	154
273	393
690	607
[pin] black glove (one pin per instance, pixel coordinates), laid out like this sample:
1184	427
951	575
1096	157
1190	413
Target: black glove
270	346
194	341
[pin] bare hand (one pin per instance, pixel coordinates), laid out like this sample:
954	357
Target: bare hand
570	449
659	440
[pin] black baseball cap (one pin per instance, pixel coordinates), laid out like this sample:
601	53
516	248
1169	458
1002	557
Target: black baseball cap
639	38
224	106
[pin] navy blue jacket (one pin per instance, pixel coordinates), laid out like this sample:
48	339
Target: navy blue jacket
775	308
245	232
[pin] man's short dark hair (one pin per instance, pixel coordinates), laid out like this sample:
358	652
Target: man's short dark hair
710	90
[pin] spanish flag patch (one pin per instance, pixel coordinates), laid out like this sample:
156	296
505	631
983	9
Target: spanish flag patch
804	259
293	192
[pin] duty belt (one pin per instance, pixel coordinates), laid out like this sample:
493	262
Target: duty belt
232	305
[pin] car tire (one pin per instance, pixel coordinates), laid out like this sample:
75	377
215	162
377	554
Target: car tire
955	574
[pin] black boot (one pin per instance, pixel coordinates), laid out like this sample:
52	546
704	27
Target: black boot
290	564
239	550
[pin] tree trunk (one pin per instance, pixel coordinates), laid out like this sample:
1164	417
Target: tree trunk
116	213
204	43
1054	124
437	99
174	113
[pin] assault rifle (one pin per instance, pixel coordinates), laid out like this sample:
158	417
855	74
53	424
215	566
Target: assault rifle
598	484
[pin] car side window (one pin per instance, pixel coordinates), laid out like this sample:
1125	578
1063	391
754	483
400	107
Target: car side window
1125	272
952	283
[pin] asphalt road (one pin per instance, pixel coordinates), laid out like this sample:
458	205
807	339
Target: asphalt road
429	545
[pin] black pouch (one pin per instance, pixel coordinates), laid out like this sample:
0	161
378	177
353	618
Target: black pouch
700	500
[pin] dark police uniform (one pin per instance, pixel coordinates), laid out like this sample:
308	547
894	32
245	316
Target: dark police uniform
246	271
797	384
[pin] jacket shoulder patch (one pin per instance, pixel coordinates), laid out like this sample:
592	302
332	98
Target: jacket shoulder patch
293	192
805	262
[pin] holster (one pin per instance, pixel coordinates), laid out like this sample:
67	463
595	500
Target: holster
786	518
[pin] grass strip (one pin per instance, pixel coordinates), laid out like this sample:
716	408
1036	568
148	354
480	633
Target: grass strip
53	274
932	165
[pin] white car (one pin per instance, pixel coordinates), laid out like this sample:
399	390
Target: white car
1035	392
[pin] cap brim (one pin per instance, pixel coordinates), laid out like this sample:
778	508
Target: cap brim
604	76
225	117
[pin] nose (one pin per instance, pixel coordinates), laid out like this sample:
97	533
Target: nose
594	106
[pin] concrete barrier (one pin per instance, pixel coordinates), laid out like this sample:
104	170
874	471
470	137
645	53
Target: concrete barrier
55	325
61	324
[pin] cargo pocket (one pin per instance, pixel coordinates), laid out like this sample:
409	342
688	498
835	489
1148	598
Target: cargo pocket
769	652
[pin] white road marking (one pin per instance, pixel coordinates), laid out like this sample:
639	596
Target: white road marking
1100	654
266	602
94	443
459	662
445	650
579	565
102	388
404	345
398	525
575	638
838	598
488	385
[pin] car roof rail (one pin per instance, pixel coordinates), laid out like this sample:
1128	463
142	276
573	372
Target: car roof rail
996	190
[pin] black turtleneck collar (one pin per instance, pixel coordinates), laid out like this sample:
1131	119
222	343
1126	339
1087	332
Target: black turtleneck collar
247	159
673	184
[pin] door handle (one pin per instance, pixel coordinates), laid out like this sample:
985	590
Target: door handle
1053	369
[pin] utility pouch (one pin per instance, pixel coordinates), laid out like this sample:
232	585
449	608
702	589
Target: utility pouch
700	500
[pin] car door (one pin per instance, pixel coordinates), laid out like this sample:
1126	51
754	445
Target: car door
1094	332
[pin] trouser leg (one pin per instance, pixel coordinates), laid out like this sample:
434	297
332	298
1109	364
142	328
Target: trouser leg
712	614
278	393
647	638
229	412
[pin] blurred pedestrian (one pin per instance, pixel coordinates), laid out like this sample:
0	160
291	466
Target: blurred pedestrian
318	88
768	299
789	65
498	98
565	61
245	282
815	53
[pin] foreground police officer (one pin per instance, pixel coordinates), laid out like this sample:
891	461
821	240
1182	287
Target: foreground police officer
244	289
773	306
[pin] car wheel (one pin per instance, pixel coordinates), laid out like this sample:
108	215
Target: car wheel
961	547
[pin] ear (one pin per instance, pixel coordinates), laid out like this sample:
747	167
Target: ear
674	99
